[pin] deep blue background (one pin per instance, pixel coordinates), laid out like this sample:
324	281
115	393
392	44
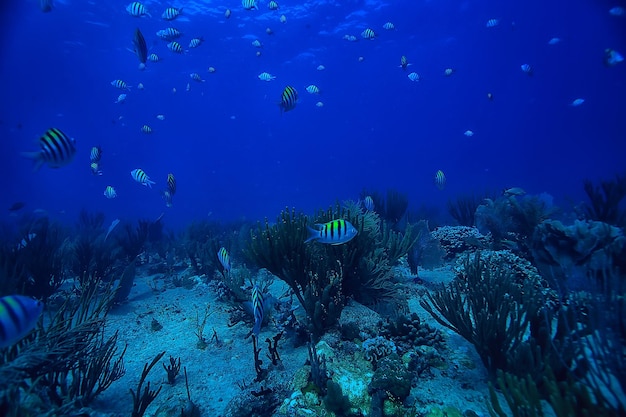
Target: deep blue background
235	155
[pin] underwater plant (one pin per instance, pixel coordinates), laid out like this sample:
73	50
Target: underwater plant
605	199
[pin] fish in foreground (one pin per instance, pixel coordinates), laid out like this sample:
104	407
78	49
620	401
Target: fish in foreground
414	76
141	177
110	192
288	99
141	49
57	150
137	9
440	179
266	76
195	42
169	34
335	232
18	316
224	259
175	47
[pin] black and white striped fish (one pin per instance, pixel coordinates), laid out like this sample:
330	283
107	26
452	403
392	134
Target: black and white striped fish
171	13
120	84
195	42
18	316
368	34
137	9
258	308
272	5
169	34
171	183
175	47
141	177
335	232
57	150
224	259
250	4
95	154
288	99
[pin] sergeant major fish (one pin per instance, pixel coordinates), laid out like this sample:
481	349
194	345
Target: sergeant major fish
440	179
141	177
195	42
137	9
171	13
224	258
250	4
171	183
18	316
169	34
109	192
288	99
57	150
266	76
335	232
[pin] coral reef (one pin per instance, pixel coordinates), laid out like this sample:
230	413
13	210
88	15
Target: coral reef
377	348
605	199
455	240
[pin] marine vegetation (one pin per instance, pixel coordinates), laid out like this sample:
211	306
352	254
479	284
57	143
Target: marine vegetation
322	276
530	341
605	199
511	220
463	209
390	209
63	364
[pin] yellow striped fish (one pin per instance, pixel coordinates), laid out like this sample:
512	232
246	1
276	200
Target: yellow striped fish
141	177
171	13
440	179
171	183
288	99
137	9
335	232
18	316
57	150
368	34
224	259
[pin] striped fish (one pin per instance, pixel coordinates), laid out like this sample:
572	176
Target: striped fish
137	9
18	316
171	13
120	84
266	76
195	42
492	23
95	154
146	129
141	49
272	5
368	202
153	58
167	196
250	4
110	192
389	26
404	62
196	77
288	99
171	183
368	34
95	168
258	308
224	259
335	232
141	177
440	179
57	150
169	34
313	89
175	47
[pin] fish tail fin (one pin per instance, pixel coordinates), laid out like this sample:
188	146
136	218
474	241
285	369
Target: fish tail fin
149	183
313	234
257	327
36	157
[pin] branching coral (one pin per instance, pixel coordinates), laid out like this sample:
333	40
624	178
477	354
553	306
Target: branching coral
605	199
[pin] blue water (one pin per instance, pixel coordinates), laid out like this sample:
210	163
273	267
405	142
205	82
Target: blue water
235	155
